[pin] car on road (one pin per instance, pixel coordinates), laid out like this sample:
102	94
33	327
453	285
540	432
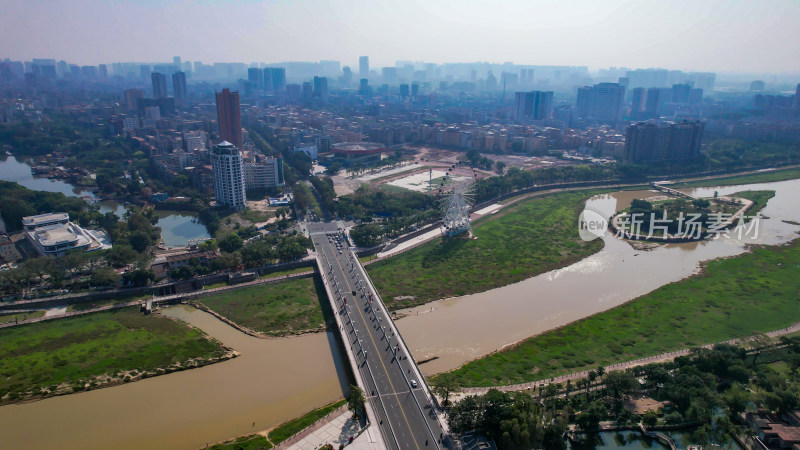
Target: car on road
354	293
413	383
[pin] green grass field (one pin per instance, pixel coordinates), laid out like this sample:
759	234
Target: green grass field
67	350
6	318
761	177
277	309
759	199
292	427
526	239
734	297
251	442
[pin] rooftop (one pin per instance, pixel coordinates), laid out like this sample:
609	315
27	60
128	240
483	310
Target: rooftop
43	219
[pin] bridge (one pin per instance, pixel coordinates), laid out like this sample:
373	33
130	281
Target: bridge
669	191
398	400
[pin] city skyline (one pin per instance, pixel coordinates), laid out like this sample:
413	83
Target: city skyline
712	35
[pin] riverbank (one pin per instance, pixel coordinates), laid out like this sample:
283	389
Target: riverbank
520	241
104	349
743	295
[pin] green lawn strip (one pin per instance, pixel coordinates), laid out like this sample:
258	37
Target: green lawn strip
276	309
761	177
520	241
393	188
733	297
292	427
6	318
251	442
74	350
759	199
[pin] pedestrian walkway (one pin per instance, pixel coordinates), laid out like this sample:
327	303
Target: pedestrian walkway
336	430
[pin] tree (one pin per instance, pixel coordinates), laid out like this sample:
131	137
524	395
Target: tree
758	344
356	400
620	382
650	418
105	276
589	419
444	385
230	243
500	166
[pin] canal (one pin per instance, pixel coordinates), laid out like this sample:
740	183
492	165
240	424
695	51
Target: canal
177	228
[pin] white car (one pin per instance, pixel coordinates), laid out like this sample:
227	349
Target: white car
413	383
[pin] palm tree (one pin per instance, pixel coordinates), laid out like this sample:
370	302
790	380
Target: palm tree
592	377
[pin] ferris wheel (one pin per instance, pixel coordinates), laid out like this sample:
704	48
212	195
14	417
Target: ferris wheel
456	192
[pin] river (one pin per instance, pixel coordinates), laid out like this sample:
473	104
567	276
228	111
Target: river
177	228
279	379
12	169
274	380
448	328
633	440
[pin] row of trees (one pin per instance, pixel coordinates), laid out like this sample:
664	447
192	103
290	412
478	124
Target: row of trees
698	387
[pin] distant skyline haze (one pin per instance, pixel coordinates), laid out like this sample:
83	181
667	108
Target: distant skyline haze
701	35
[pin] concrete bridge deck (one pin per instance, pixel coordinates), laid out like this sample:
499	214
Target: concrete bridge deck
400	404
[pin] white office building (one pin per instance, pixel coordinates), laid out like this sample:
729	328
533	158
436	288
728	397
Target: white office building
264	174
228	172
54	235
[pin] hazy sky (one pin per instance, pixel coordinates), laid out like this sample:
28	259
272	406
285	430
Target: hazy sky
732	35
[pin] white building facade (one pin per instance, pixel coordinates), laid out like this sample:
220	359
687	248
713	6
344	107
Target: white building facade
228	173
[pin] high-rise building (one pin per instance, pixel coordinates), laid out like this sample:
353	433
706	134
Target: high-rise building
796	100
363	67
102	68
229	117
389	74
669	142
607	101
584	104
535	105
404	90
637	100
264	174
653	102
321	87
132	97
347	75
267	79
255	77
279	78
228	172
159	85
601	102
680	93
179	87
695	95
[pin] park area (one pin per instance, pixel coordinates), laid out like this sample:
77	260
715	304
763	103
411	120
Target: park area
525	239
276	309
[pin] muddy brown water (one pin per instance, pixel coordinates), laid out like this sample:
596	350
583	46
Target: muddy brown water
274	380
279	379
460	329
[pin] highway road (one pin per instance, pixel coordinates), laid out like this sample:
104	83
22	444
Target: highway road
404	412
